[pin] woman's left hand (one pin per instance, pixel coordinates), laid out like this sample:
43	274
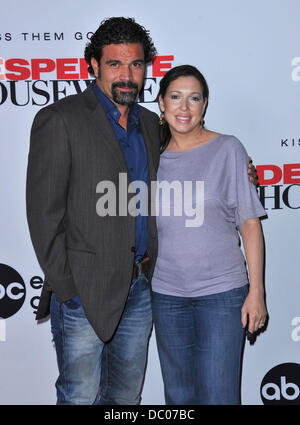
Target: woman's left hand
254	312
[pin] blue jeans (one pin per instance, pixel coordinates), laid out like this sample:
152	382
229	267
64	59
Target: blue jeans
200	343
93	372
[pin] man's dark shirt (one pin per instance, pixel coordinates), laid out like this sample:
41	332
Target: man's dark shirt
134	150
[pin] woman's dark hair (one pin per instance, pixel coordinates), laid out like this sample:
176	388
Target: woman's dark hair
172	75
118	30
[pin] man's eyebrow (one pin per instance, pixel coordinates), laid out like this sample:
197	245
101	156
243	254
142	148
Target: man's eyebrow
112	61
119	61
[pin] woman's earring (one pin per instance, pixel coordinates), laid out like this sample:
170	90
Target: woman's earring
161	119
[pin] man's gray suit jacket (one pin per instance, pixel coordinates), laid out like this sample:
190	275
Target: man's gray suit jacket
72	148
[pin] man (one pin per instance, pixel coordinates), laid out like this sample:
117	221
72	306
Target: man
97	268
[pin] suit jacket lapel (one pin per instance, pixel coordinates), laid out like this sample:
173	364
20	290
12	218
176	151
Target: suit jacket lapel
148	138
103	129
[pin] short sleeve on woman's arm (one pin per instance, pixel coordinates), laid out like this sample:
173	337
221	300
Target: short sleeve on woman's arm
248	204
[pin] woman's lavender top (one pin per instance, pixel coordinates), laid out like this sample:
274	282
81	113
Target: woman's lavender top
198	241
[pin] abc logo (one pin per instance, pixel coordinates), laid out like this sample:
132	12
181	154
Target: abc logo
281	385
12	291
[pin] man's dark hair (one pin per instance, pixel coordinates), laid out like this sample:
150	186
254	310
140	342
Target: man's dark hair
118	30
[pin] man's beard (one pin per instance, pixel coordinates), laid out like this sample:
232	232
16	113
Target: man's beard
124	98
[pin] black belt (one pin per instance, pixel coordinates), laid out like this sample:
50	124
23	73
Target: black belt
140	267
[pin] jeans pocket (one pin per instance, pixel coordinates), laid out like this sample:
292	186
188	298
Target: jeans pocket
73	303
145	276
237	296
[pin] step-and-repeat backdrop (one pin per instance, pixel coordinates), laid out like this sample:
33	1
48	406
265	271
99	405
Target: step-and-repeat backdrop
249	52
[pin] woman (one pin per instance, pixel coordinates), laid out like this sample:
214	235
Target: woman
202	301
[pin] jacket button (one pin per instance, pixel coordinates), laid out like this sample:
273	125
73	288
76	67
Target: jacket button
133	249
